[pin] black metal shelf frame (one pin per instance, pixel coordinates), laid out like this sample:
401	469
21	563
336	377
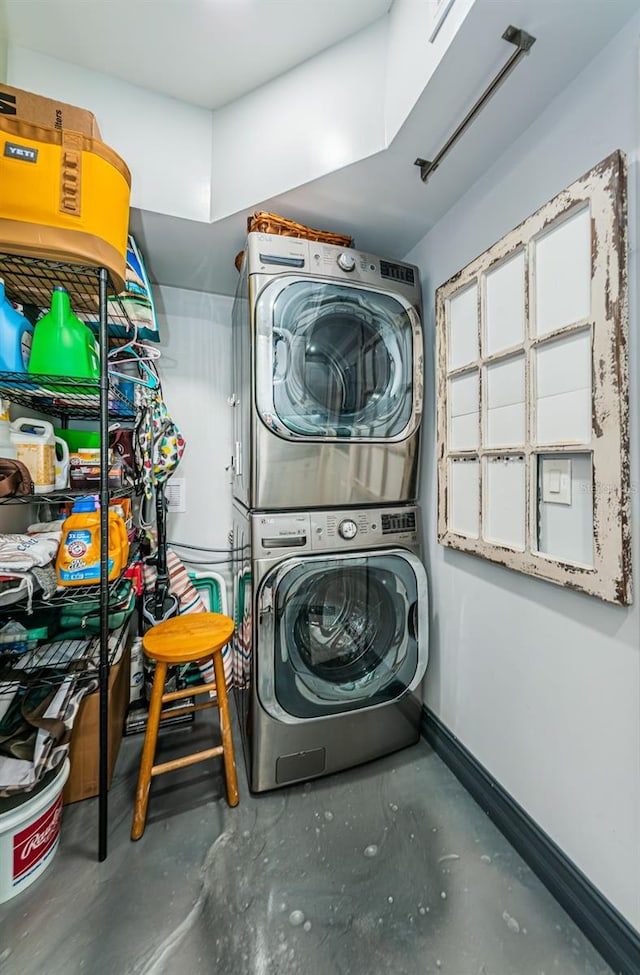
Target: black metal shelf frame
30	281
65	396
80	594
67	495
80	655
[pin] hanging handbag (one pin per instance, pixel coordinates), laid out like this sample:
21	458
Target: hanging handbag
15	478
122	444
160	442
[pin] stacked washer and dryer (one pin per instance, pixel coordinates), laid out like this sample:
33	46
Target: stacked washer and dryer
330	593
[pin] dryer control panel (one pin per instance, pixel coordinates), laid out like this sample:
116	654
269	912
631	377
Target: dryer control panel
334	530
271	254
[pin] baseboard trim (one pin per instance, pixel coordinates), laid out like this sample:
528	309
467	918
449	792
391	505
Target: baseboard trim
608	931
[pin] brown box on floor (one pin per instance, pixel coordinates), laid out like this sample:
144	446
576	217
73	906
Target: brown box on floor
47	111
84	749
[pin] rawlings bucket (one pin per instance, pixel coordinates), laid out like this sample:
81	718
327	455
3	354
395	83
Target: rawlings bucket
29	835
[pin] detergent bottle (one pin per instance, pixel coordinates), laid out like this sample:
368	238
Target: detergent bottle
78	560
16	334
7	447
35	444
63	345
61	463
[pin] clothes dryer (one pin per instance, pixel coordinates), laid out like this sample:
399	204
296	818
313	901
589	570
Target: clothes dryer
328	376
331	641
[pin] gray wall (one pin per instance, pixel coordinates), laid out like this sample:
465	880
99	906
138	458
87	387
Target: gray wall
542	684
196	382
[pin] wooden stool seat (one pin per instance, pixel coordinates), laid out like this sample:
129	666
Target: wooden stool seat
185	639
182	640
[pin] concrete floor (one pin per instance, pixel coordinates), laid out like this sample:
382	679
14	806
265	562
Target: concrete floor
389	868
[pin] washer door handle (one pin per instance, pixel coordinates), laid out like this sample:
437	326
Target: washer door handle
282	355
412	620
266	603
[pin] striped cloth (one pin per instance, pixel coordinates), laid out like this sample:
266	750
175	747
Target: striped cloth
243	623
189	601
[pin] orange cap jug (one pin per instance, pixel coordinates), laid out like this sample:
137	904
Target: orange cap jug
78	560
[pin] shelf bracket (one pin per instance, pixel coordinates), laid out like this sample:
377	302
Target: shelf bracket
523	43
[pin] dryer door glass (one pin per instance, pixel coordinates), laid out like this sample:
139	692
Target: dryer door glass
342	362
345	634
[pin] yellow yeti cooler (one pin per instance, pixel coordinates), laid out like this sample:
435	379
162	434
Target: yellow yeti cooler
63	196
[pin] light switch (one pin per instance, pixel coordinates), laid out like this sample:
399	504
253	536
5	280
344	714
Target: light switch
556	480
176	495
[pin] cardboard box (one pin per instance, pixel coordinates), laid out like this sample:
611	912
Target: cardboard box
84	749
47	111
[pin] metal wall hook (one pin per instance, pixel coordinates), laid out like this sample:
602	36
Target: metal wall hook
523	42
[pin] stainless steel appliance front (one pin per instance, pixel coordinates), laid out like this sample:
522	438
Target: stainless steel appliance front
328	377
331	643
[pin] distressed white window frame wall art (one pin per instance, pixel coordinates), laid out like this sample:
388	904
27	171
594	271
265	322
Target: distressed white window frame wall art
533	452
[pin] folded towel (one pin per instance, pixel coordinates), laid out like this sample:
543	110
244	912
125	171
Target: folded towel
18	553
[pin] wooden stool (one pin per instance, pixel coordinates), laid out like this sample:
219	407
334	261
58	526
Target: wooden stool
183	640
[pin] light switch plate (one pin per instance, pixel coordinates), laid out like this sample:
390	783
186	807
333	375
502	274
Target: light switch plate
556	480
176	495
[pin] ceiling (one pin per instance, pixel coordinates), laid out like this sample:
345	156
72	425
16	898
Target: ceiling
206	52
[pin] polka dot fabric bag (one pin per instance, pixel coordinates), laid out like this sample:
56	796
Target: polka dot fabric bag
160	441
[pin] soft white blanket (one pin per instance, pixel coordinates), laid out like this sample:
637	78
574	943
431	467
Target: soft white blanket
19	553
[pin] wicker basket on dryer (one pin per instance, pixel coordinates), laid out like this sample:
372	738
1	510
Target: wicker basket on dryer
271	223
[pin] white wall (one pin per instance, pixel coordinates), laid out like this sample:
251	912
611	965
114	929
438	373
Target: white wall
165	142
319	117
331	111
542	684
4	44
412	56
4	56
195	371
200	165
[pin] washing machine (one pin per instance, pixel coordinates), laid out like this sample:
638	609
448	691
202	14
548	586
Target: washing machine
327	377
331	641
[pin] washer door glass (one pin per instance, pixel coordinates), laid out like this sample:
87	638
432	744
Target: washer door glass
342	362
345	634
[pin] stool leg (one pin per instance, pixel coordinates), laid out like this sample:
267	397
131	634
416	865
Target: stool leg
225	727
148	752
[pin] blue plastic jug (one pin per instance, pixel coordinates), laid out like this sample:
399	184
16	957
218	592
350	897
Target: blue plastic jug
16	335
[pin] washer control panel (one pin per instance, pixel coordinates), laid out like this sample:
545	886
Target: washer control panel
280	533
363	527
